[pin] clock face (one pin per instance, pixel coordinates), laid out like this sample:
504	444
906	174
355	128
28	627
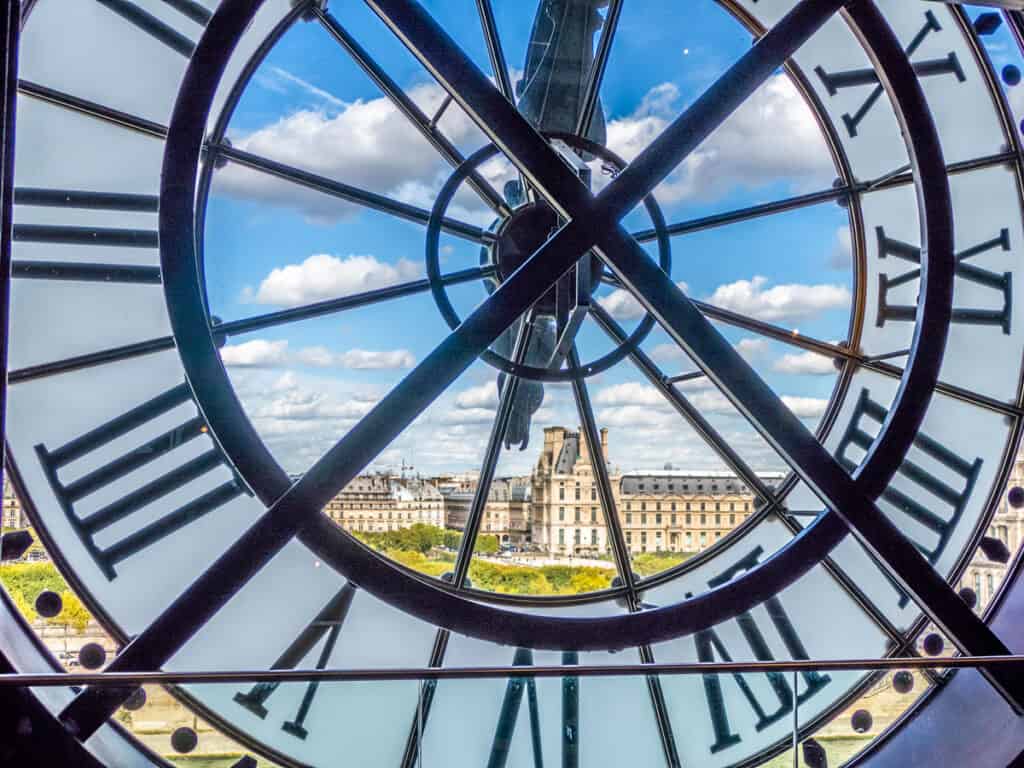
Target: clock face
278	310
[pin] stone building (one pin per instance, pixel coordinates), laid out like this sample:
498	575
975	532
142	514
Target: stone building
14	516
664	510
983	575
506	515
383	502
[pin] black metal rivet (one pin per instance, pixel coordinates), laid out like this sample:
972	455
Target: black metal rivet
933	644
903	682
48	604
861	721
184	740
92	655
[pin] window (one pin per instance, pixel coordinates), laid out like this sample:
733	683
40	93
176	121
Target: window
703	519
643	537
593	494
593	536
703	540
673	519
593	514
657	506
577	514
673	506
657	519
689	519
561	536
629	519
629	537
990	583
643	505
643	519
628	505
732	519
577	493
576	537
977	585
561	494
702	506
561	513
718	519
689	541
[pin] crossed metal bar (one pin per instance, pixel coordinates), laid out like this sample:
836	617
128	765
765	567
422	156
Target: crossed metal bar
592	223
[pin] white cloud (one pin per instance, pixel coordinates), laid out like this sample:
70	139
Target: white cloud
258	353
781	302
630	393
842	251
364	143
804	363
750	349
805	407
773	136
323	276
623	306
483	396
365	359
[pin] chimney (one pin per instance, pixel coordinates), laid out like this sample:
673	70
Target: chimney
584	451
554	437
604	442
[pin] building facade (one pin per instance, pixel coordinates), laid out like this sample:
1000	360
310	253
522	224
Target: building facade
661	511
14	517
382	502
983	575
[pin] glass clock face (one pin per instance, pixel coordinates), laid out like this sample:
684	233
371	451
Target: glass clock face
279	310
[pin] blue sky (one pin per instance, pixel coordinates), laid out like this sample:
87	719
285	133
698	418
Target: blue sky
271	244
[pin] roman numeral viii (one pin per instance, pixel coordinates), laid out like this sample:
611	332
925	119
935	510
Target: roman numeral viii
1000	284
70	493
837	81
936	507
328	622
63	234
709	645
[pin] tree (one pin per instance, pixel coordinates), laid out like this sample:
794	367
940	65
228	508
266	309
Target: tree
486	545
73	613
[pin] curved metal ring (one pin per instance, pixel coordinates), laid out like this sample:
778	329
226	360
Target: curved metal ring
429	602
440	291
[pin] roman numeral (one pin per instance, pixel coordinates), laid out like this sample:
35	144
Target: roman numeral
709	645
1001	284
158	29
94	201
70	493
59	234
837	81
328	622
509	714
936	493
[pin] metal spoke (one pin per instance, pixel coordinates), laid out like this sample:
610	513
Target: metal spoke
494	49
349	193
471	530
843	191
875	363
620	551
617	539
848	585
684	322
245	325
686	409
93	109
597	70
301	503
427	126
